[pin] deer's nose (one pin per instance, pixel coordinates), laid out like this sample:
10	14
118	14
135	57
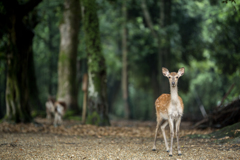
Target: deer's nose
173	83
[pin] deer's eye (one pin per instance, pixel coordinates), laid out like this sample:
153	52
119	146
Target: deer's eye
169	77
177	77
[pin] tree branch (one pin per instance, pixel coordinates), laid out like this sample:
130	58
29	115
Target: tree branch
148	18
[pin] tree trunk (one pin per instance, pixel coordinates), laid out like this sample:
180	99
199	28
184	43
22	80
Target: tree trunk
85	95
159	57
156	75
125	62
97	97
51	57
3	78
19	59
67	63
164	49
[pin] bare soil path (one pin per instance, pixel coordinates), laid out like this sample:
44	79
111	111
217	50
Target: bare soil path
125	140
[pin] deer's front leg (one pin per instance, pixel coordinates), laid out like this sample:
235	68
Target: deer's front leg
177	133
170	121
55	122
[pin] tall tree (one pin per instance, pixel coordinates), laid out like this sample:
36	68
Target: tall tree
67	63
162	40
18	24
155	35
164	49
124	61
97	97
52	56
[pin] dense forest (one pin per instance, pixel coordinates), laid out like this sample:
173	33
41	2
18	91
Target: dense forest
47	46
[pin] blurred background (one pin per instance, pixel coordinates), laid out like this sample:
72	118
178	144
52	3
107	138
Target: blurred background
136	39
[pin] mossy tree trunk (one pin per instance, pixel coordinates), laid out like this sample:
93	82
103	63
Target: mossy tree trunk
52	87
97	97
19	59
67	63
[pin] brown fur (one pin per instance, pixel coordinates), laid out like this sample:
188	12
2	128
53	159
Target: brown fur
163	101
62	103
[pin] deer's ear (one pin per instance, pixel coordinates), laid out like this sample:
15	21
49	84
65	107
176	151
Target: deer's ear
181	71
165	71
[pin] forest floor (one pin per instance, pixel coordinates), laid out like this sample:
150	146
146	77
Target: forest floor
123	140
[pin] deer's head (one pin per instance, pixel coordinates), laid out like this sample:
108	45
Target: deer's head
173	76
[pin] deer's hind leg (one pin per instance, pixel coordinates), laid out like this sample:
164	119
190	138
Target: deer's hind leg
177	133
171	126
164	135
159	120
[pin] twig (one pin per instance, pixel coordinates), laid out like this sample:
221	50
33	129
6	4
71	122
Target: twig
225	96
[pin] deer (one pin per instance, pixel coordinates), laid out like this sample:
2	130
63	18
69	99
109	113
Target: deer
169	107
60	109
50	108
55	108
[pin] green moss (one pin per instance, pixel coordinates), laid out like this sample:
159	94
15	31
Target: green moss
63	58
36	113
203	136
93	118
92	39
96	66
62	74
230	131
229	134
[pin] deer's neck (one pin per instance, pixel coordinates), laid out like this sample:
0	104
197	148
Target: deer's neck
174	94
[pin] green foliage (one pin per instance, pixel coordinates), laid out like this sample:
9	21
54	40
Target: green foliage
71	115
224	40
93	118
37	113
46	47
199	136
213	76
204	38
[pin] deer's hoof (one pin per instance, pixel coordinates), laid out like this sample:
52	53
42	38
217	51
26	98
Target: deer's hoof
170	155
180	154
153	149
167	150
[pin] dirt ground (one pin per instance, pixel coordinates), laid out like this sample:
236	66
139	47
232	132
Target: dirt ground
123	140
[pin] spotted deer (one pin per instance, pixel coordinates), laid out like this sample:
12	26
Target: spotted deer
56	109
60	109
169	107
50	108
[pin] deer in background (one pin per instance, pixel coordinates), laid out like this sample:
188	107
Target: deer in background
60	109
50	108
55	108
169	107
